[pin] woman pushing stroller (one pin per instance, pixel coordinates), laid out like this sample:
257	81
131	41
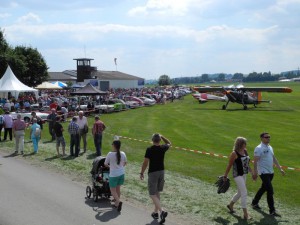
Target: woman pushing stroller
116	161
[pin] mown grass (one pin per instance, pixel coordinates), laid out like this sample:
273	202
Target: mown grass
189	188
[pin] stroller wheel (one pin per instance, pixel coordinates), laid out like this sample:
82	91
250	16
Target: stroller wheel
88	191
95	195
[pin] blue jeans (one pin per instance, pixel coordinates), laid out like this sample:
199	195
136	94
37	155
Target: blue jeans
98	143
35	141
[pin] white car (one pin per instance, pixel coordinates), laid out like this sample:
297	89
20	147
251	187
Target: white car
148	101
105	108
132	104
26	116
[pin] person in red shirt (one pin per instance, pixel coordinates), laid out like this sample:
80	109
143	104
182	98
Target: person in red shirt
53	105
97	130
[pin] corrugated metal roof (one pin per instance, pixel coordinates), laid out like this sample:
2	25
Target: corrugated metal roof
60	76
115	75
70	75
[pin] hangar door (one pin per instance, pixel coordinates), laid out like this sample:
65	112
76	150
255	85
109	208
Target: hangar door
104	85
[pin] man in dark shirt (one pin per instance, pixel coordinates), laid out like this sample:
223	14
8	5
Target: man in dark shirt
51	118
58	130
154	157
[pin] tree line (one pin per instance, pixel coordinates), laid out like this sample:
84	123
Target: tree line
27	63
237	77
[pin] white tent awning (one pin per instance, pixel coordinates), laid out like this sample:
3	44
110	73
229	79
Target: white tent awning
47	85
10	83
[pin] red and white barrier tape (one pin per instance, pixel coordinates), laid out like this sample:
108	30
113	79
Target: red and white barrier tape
196	151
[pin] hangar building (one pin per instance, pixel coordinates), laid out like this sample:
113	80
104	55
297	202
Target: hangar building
101	79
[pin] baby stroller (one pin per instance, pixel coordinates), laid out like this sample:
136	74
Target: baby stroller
100	180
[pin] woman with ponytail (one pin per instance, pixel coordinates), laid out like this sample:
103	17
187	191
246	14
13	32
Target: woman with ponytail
116	161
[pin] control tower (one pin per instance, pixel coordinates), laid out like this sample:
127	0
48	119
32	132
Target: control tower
84	69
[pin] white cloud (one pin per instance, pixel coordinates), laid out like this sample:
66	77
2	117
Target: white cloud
162	7
29	18
97	32
4	15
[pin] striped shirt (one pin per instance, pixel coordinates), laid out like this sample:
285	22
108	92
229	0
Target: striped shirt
73	128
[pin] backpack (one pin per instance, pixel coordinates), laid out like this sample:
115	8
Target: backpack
37	132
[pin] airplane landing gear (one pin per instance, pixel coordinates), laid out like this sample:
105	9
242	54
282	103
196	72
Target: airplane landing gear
225	106
245	107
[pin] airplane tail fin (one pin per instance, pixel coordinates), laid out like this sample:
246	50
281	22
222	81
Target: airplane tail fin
259	97
260	100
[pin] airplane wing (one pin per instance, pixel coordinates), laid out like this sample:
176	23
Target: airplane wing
251	89
267	89
209	89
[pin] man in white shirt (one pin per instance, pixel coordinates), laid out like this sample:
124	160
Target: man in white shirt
264	159
83	127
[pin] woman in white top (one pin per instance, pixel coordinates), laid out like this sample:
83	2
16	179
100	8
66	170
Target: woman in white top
116	161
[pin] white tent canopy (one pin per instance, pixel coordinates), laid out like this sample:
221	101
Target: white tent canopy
10	83
47	85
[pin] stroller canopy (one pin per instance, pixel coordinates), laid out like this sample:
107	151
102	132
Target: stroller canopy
97	164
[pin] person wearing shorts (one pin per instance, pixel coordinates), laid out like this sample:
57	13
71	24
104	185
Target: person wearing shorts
114	182
154	157
60	140
116	161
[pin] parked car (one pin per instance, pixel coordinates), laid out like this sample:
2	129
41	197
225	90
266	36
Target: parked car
104	108
131	104
118	104
148	101
133	98
153	96
26	116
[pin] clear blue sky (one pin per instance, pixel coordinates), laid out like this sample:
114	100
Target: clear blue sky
154	37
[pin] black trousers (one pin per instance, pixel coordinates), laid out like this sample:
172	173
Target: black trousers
74	142
9	131
266	186
51	131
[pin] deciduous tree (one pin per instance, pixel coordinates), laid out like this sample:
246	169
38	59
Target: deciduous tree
164	80
27	63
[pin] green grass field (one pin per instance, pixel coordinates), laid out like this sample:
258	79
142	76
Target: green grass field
206	128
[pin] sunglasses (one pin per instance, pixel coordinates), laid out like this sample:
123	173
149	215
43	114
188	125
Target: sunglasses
267	137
